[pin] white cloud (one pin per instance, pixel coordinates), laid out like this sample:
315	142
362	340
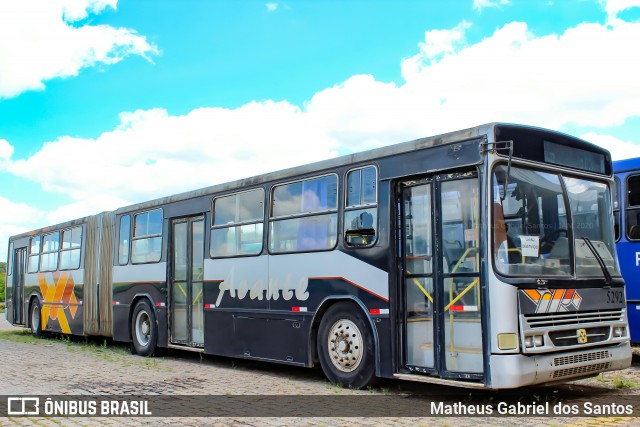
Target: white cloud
585	76
37	44
271	7
618	148
152	154
6	150
75	10
482	4
614	7
16	218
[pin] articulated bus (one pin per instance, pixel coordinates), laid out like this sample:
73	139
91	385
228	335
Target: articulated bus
482	258
626	210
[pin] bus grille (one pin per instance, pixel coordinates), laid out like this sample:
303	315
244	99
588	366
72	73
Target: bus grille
580	370
569	337
581	358
546	320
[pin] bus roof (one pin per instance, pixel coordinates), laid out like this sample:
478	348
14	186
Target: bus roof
364	156
626	165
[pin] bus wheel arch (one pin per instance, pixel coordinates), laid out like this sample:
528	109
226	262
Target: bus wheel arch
345	344
143	327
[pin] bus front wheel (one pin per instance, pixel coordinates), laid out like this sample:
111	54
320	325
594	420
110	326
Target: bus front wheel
144	330
345	346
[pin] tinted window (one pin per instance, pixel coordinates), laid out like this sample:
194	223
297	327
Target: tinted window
123	240
146	245
312	204
49	257
34	254
632	214
238	224
360	224
312	195
71	247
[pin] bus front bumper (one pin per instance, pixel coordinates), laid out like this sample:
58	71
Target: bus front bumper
517	370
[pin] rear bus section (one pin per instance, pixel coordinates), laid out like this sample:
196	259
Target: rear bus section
626	202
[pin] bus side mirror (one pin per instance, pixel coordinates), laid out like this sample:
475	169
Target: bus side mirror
359	237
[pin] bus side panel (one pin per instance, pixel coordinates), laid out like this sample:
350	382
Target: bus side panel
131	282
61	295
629	258
263	335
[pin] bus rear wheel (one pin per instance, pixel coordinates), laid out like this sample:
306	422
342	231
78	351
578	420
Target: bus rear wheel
36	319
345	346
144	329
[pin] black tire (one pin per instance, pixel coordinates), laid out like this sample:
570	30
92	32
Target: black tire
345	346
144	329
35	318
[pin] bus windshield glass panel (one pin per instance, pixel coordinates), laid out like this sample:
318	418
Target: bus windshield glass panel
531	229
530	224
590	207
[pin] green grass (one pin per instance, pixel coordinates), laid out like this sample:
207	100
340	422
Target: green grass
22	335
619	382
116	353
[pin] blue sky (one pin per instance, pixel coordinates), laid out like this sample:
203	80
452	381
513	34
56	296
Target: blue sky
105	102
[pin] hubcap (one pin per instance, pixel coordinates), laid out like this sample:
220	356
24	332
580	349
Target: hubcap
345	345
143	328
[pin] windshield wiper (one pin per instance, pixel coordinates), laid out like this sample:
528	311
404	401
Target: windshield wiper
605	270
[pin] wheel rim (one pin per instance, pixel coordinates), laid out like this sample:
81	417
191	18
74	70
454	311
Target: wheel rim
35	319
143	328
345	345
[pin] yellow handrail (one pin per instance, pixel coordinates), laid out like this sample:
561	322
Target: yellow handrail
424	291
461	294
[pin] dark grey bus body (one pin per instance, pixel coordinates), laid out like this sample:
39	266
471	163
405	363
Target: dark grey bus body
209	277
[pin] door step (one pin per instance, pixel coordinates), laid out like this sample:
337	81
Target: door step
187	348
440	381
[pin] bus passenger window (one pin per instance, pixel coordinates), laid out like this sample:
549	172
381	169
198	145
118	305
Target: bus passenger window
633	207
147	237
124	237
237	224
361	213
304	215
49	257
70	251
34	254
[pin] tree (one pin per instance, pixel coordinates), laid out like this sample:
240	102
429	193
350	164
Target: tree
3	270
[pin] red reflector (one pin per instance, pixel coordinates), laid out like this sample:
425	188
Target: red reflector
114	303
295	308
457	308
158	304
374	311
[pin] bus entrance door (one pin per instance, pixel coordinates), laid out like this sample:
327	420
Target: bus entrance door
442	331
187	272
19	260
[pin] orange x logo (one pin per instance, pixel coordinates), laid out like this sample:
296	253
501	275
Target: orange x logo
56	295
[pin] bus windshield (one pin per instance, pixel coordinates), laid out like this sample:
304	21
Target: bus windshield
531	233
